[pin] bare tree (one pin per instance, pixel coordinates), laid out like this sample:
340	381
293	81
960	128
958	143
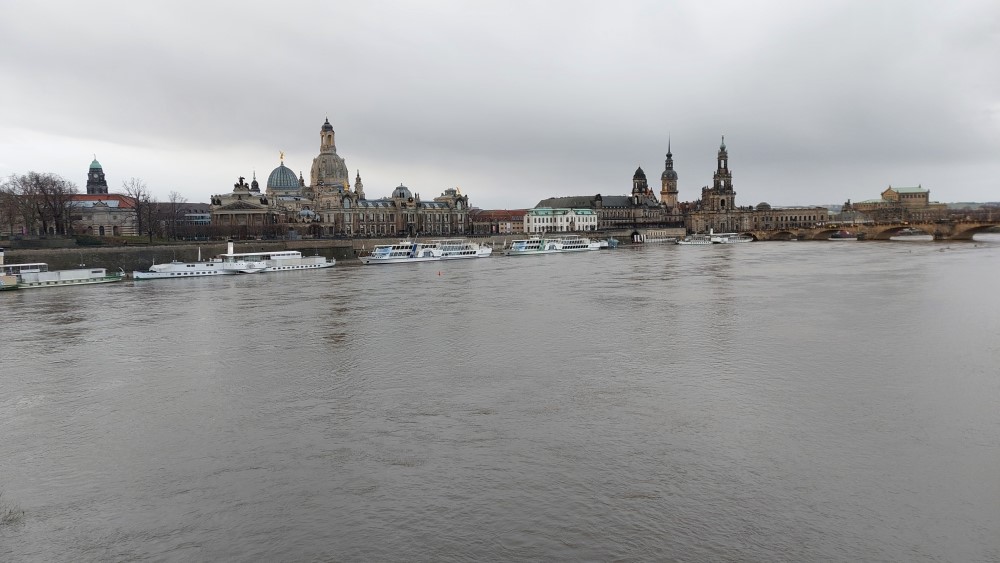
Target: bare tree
42	201
152	218
141	199
57	200
176	211
10	210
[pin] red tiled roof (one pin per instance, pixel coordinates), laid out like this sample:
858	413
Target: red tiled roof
498	214
123	201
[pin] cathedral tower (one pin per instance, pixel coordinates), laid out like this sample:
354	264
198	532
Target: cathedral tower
720	197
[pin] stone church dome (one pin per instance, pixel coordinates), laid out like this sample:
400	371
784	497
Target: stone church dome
329	169
282	178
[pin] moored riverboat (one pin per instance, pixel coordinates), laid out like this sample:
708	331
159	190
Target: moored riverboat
554	245
37	274
843	235
694	240
272	261
177	269
729	238
455	249
403	252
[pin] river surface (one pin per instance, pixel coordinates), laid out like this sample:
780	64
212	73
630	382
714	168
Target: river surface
796	401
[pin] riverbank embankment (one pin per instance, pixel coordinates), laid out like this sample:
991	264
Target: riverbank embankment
132	256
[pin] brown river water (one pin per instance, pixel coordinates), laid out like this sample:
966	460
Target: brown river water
799	401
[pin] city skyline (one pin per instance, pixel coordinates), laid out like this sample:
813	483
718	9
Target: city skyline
514	102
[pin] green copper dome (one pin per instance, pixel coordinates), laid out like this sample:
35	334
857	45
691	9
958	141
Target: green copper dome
95	164
282	178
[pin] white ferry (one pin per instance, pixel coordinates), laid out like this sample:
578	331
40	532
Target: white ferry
236	263
729	238
175	269
276	261
538	245
404	251
694	240
454	249
36	274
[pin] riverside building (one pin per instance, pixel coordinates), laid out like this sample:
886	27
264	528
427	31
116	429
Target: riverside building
329	206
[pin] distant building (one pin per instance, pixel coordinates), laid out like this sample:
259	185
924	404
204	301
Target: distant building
638	210
328	206
103	215
617	211
899	204
99	213
550	220
717	209
497	221
245	211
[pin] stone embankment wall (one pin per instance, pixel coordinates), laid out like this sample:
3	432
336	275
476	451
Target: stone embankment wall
141	256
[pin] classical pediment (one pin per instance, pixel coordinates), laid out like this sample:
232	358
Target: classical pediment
240	206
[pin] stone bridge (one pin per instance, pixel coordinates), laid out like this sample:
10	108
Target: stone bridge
940	230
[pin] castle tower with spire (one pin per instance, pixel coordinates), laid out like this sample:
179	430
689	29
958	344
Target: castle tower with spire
668	182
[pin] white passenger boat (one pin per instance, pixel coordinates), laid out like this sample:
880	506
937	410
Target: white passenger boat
455	249
236	263
696	239
272	261
729	238
176	269
403	252
37	274
538	245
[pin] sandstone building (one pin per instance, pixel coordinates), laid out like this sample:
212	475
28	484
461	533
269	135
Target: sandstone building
329	206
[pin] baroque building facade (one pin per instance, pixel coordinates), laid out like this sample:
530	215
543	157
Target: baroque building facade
329	206
899	204
717	210
100	213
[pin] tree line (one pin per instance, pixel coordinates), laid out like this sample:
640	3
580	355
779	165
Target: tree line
42	204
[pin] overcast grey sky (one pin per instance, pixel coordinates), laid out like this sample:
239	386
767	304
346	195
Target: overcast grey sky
511	101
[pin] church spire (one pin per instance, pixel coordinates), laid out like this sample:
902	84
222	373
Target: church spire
359	188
